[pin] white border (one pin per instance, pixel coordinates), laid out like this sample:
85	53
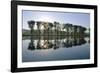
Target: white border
53	63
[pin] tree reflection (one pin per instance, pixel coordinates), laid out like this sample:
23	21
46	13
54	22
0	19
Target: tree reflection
54	43
74	41
31	44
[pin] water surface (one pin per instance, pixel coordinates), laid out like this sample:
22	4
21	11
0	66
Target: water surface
52	48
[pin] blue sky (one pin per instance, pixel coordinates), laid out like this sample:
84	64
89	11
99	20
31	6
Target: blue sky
74	18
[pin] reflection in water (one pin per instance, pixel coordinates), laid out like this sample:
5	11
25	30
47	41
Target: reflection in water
51	48
48	43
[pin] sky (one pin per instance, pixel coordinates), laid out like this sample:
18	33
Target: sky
74	18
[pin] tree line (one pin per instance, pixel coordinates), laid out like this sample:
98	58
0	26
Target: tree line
56	28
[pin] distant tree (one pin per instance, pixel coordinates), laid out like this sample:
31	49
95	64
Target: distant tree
75	29
55	25
65	27
68	27
50	27
82	30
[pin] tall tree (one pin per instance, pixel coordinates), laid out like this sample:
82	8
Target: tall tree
50	27
38	27
75	29
67	26
55	25
31	25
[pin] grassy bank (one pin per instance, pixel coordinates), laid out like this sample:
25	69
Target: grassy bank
52	33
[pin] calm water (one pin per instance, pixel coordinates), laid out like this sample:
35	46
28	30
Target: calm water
54	48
